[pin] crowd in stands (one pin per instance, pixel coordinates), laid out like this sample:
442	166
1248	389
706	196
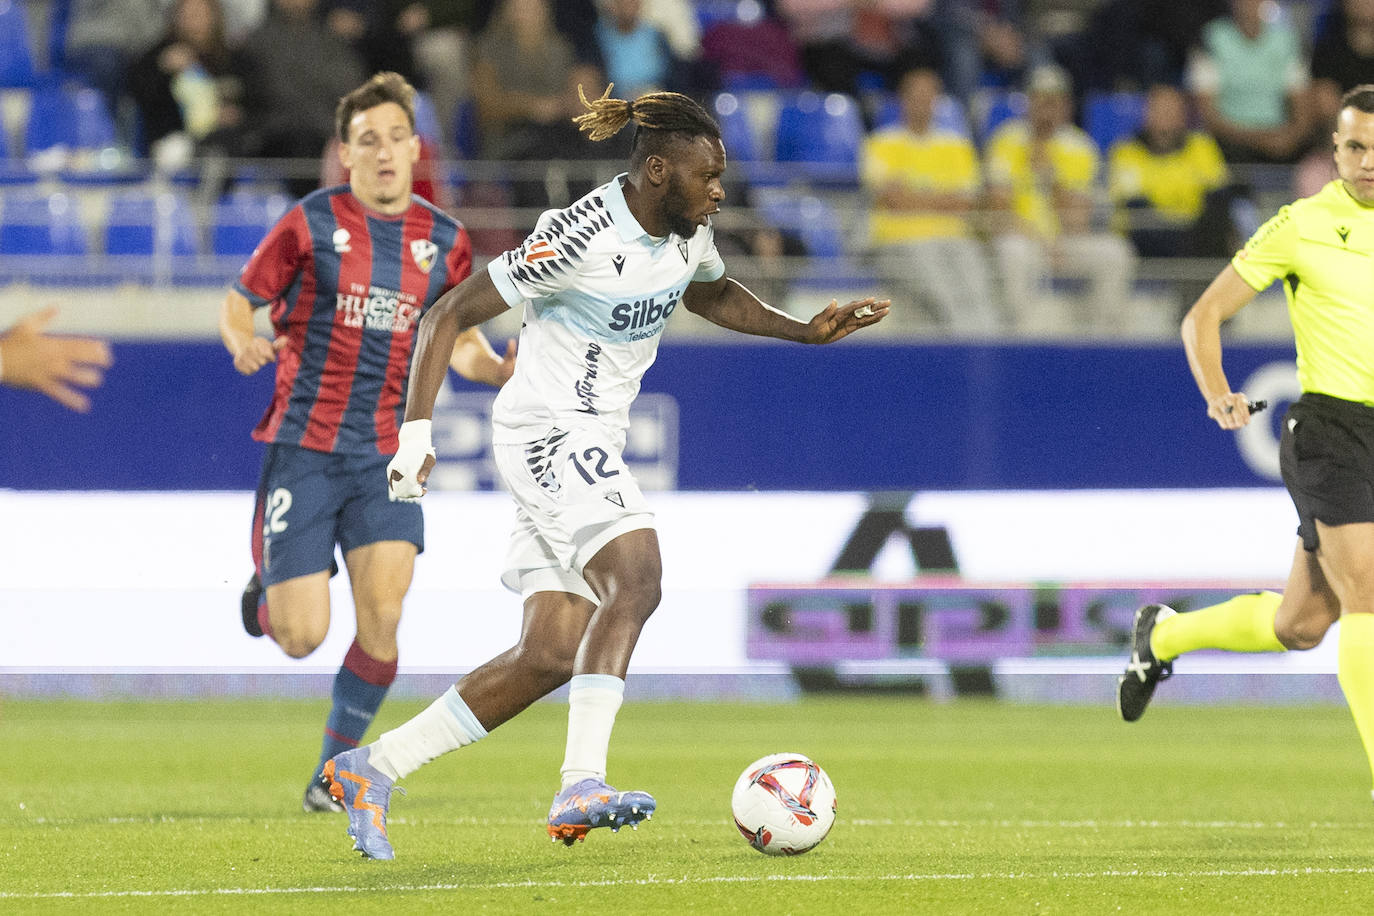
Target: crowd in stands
983	179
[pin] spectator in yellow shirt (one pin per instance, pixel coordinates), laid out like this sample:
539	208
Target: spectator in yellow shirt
1170	185
1041	173
924	181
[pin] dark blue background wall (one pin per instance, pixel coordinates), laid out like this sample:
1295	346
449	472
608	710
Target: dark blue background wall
767	416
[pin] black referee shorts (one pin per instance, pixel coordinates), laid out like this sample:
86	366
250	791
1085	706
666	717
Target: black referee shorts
1326	456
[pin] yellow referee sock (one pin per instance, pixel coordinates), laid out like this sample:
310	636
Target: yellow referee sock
1243	624
1355	671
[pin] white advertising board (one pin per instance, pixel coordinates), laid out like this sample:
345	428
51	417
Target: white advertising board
152	580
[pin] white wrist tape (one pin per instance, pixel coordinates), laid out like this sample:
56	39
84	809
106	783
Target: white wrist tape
417	433
402	473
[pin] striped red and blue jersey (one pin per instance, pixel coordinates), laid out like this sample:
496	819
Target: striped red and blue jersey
347	287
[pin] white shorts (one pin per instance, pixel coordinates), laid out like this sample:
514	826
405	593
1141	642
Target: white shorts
573	495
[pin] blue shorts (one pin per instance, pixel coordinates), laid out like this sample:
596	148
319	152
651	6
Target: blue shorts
308	501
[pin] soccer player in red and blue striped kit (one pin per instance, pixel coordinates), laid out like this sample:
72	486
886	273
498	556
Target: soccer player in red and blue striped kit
347	272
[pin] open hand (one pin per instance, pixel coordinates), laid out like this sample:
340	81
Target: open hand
836	321
55	366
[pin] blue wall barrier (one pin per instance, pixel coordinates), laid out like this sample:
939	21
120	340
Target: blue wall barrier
853	416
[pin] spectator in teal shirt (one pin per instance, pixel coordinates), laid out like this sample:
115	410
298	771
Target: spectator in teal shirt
636	54
1249	79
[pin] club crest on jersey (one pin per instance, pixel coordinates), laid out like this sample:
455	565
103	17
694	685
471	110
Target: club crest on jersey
341	238
424	252
619	262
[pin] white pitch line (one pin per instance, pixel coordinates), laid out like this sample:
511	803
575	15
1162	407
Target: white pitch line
656	881
916	823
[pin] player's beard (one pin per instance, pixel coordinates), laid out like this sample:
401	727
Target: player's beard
674	209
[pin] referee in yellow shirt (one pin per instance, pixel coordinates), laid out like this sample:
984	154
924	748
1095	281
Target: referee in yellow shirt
1322	247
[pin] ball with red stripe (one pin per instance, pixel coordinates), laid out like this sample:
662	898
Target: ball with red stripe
784	804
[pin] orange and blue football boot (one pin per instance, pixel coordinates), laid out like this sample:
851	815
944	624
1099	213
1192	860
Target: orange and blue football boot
365	794
591	803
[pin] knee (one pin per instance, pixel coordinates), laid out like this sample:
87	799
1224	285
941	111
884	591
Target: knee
546	661
1301	633
298	640
640	589
379	617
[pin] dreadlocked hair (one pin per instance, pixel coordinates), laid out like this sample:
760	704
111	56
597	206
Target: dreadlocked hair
654	114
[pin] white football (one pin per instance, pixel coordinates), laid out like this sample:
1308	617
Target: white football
784	804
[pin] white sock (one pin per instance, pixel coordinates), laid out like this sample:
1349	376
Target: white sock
593	701
445	725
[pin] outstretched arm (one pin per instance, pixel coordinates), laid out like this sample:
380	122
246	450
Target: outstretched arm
1201	330
727	303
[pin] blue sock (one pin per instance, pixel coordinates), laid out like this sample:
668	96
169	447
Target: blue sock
359	688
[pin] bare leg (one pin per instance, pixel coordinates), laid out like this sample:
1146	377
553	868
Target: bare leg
298	611
553	628
627	575
1309	604
380	574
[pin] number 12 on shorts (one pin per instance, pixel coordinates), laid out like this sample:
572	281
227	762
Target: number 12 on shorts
593	461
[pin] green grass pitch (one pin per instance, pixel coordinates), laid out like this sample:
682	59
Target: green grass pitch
967	807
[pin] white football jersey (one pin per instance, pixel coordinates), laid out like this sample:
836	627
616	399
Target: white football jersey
597	291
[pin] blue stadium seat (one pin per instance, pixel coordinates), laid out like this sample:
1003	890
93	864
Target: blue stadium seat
75	117
93	127
949	113
15	172
17	69
814	221
426	118
238	222
151	238
51	118
139	223
468	138
735	129
821	135
991	107
33	223
710	12
1110	116
749	81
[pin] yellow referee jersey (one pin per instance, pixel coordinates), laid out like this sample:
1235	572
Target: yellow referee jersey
1322	247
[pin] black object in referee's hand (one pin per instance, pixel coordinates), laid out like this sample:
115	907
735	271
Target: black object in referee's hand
1254	406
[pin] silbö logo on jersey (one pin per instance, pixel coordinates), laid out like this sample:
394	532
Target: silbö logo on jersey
648	314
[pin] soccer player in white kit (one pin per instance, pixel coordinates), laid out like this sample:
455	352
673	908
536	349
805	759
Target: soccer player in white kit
598	281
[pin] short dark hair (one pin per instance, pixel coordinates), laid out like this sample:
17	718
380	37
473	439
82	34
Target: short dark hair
1361	98
659	118
382	88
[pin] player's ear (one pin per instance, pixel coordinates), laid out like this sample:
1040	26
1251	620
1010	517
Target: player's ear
414	148
345	154
655	169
